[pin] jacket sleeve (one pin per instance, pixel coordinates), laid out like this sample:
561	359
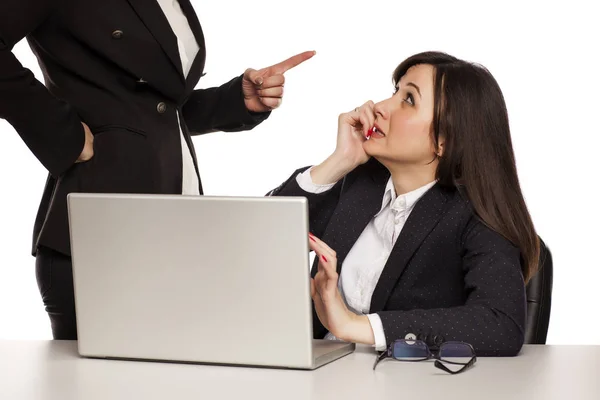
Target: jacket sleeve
320	210
48	125
492	319
320	205
220	109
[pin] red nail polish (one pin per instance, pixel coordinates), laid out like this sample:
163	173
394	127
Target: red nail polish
325	259
369	133
311	238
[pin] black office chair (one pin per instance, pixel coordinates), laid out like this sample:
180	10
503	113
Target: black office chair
539	300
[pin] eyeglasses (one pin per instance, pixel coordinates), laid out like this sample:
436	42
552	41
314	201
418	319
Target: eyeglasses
455	353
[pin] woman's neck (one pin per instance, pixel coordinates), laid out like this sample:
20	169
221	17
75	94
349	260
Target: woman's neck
407	178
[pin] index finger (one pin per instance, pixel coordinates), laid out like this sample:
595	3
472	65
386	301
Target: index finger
292	62
320	248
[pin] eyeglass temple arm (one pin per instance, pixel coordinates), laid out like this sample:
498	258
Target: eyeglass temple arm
380	357
440	365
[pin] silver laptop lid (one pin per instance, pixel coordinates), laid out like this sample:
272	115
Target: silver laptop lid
187	278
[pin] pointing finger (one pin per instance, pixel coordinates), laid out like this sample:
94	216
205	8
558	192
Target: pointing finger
292	62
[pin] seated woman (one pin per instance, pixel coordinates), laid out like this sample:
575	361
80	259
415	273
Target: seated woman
418	219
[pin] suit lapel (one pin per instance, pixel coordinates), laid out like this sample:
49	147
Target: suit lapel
421	221
192	18
356	209
198	64
155	20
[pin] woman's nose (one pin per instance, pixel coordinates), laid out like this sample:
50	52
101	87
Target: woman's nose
381	110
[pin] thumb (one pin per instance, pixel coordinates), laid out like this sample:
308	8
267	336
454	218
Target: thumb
253	76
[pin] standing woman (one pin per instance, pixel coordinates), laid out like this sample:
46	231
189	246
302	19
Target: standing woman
117	112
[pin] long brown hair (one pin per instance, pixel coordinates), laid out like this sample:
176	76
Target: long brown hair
478	159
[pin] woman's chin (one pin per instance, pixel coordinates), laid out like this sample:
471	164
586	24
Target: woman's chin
370	147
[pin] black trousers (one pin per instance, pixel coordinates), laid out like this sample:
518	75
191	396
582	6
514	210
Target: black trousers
55	281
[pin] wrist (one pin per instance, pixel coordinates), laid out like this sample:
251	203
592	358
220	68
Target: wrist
343	162
357	330
334	168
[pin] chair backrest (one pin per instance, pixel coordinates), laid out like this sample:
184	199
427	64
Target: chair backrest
539	299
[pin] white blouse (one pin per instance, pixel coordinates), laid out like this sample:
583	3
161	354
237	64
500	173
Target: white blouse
188	49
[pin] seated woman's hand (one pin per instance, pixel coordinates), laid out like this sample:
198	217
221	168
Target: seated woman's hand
353	131
329	305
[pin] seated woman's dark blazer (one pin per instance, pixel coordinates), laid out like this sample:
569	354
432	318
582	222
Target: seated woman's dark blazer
448	277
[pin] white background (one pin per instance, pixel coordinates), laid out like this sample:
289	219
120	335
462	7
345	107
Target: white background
543	54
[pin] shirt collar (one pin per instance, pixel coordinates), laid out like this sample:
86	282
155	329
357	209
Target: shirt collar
405	202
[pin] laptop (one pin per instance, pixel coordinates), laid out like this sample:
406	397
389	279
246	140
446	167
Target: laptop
201	279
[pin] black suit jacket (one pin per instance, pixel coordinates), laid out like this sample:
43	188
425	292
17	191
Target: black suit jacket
448	277
113	64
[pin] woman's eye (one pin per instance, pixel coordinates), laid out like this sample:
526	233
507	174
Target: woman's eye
409	99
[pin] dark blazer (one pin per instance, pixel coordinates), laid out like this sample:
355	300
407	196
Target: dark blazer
449	277
113	64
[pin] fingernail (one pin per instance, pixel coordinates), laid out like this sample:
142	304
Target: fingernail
259	81
324	258
369	133
311	238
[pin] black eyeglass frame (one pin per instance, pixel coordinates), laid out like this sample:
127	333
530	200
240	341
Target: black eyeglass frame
430	355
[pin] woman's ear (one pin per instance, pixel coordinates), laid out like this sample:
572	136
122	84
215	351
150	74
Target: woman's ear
440	147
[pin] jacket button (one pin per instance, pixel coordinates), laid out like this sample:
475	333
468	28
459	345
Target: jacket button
118	34
161	107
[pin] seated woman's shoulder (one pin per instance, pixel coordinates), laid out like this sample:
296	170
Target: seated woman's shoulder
473	227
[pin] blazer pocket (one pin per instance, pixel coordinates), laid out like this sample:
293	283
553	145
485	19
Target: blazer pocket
100	129
124	161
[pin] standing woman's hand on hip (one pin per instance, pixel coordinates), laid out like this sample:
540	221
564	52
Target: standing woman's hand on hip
88	148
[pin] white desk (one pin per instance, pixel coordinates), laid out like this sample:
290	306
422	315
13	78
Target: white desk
53	370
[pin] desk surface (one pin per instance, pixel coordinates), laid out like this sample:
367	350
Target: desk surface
53	370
